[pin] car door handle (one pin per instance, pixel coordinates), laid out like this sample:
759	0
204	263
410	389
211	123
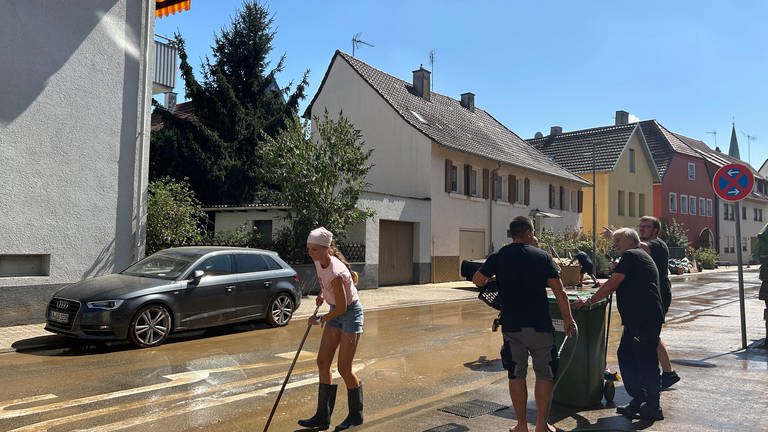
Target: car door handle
230	288
267	283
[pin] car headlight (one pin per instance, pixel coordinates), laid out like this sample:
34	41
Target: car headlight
104	304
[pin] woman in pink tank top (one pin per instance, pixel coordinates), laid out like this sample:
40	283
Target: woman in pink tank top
343	326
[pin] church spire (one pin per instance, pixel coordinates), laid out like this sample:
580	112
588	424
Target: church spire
733	150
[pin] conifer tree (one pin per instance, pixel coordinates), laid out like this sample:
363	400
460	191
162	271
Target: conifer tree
235	106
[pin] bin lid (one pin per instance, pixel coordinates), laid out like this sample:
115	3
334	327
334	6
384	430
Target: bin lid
574	295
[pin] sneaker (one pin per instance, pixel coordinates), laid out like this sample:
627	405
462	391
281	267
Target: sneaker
631	409
647	412
668	379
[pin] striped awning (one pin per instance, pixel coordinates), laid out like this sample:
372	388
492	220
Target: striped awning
170	7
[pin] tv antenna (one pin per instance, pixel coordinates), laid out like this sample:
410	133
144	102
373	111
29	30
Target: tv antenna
432	68
356	40
750	138
713	132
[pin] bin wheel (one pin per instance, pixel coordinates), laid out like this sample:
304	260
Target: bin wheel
609	391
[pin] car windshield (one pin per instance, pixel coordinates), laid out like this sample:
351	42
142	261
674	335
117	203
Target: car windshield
163	265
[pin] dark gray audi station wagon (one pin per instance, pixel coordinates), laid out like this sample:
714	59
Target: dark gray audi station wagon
177	289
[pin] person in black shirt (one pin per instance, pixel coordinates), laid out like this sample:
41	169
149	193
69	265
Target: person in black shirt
649	229
586	266
636	282
523	272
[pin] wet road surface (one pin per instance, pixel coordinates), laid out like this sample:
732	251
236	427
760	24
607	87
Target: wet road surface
227	379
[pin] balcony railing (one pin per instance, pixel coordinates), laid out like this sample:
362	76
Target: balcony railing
165	66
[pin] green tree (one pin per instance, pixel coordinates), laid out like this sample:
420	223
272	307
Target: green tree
674	234
174	215
321	181
235	105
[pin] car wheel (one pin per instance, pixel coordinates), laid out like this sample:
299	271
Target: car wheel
150	326
280	310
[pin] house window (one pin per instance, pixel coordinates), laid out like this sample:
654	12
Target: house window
725	211
759	216
454	178
574	200
744	213
709	207
451	177
672	202
631	160
743	244
691	171
632	204
473	182
621	203
692	205
527	191
497	186
24	265
683	204
641	204
702	207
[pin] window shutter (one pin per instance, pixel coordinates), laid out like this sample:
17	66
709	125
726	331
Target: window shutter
486	174
512	191
448	166
467	183
551	196
527	192
580	200
562	198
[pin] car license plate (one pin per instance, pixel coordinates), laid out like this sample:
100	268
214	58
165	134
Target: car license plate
59	317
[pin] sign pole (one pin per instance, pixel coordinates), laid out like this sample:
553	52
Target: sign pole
733	183
741	278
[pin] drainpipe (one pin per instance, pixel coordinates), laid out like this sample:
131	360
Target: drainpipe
490	208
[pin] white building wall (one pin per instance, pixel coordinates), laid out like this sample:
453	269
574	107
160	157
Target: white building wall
74	122
749	229
455	211
401	154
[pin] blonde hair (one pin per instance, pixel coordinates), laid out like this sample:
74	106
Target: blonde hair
340	256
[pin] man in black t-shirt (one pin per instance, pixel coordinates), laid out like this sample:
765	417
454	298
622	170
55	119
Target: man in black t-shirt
649	229
635	280
523	272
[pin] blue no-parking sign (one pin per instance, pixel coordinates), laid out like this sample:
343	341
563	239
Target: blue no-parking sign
733	182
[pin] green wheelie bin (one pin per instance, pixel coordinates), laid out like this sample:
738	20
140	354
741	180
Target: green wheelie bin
581	383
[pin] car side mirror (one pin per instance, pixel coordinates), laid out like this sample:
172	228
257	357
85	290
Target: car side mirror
196	276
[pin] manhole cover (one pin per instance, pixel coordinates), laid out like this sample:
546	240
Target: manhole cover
473	408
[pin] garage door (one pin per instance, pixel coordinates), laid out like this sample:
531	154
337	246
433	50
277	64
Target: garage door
395	253
471	245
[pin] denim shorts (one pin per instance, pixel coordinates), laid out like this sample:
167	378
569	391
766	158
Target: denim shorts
350	321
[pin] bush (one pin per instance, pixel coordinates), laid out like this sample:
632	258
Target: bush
674	234
707	258
174	215
243	236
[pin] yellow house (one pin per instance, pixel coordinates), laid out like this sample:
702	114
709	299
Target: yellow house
617	160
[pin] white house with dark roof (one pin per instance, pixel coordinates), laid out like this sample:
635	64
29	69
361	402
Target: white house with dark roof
447	176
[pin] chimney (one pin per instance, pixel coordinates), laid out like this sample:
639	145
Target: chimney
170	101
468	101
538	135
421	82
622	117
555	130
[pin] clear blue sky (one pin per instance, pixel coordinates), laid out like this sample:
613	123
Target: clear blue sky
695	66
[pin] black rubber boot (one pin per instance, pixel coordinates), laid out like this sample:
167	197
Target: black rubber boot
355	403
326	400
